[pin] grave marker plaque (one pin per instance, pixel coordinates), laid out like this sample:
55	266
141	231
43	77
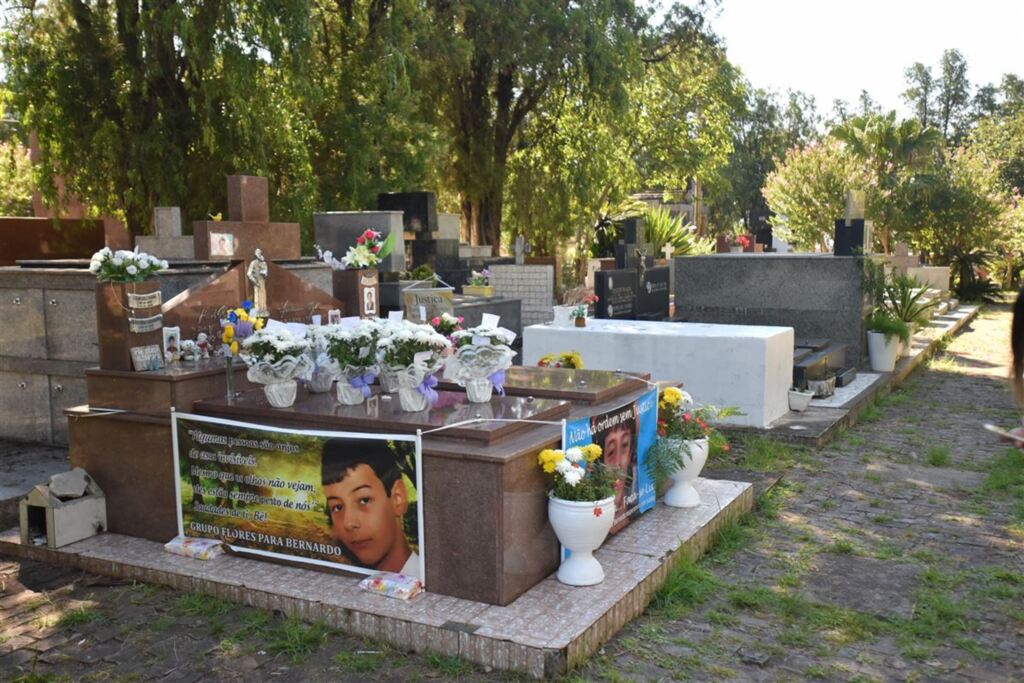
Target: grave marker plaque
617	294
652	297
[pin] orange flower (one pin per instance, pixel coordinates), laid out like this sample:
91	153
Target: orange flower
598	512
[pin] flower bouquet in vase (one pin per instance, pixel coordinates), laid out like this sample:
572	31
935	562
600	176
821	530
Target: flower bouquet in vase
482	355
446	324
236	327
581	508
324	373
479	284
276	359
352	356
412	354
682	448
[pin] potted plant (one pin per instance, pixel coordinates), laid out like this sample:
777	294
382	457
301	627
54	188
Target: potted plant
905	299
479	284
567	359
446	324
236	327
412	353
351	355
322	378
682	447
482	355
581	508
573	310
739	244
884	334
127	304
276	359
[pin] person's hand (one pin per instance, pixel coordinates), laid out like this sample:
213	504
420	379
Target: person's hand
1019	432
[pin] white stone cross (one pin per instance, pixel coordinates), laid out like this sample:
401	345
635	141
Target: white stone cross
668	249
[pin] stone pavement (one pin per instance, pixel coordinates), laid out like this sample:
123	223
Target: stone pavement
893	554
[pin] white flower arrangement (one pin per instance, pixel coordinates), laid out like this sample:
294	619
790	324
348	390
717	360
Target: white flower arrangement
495	335
400	343
124	266
351	348
270	346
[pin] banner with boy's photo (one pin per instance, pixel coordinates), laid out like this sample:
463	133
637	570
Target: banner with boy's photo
624	434
337	499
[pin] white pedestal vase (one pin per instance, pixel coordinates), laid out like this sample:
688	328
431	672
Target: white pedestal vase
581	528
415	386
479	390
351	383
683	494
477	367
882	352
321	381
281	394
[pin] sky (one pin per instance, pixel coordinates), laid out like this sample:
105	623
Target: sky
835	48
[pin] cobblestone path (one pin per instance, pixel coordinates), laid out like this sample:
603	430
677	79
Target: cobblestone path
893	554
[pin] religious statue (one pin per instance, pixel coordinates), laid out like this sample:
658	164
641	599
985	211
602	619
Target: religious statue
257	274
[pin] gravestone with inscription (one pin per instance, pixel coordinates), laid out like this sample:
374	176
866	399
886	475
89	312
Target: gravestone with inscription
616	292
653	294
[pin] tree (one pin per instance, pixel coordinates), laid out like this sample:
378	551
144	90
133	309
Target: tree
920	91
138	104
807	192
492	69
15	180
952	96
1001	140
897	156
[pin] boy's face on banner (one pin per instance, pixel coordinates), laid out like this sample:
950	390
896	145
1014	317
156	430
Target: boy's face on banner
364	517
618	448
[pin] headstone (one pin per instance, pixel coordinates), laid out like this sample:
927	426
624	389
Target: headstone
849	237
167	242
419	210
901	259
247	227
521	250
653	295
337	231
616	292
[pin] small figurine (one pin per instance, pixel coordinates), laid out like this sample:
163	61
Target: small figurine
202	345
189	350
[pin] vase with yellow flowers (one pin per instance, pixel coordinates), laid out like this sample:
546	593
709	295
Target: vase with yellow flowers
234	329
581	507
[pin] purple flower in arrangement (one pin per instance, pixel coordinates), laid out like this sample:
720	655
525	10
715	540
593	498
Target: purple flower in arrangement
232	317
243	329
247	305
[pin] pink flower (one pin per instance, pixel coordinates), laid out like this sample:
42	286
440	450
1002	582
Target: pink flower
375	248
361	239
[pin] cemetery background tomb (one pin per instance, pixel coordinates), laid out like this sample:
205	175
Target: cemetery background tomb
167	239
534	285
337	231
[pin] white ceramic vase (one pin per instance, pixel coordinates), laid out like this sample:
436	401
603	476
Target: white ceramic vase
281	394
882	352
479	390
581	528
321	381
683	494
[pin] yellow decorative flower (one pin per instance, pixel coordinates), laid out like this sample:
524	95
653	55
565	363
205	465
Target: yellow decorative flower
671	396
258	325
234	348
242	315
228	334
549	458
591	452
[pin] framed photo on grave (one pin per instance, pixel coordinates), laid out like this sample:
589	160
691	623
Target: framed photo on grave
291	494
222	244
149	357
172	342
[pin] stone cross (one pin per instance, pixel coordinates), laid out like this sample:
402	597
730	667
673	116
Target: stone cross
247	227
901	259
521	250
667	250
168	242
854	206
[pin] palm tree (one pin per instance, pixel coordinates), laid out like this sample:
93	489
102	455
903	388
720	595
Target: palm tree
896	152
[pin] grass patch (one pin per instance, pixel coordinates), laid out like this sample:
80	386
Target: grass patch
77	617
938	456
1006	474
765	455
361	662
870	413
200	605
449	665
688	585
842	547
296	639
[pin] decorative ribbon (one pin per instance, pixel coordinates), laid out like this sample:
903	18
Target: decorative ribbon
363	382
426	387
498	380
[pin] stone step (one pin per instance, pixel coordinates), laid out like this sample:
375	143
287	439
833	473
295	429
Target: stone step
818	363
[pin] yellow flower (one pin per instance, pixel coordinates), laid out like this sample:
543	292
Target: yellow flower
591	452
242	315
548	458
258	325
228	334
672	396
234	348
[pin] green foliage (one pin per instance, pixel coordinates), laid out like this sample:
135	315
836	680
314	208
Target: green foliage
15	180
664	228
296	639
79	616
807	192
938	456
884	322
904	301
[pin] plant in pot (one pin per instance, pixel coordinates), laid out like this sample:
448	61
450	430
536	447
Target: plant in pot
479	284
411	354
446	324
276	359
356	271
679	454
884	335
127	304
574	307
581	508
350	354
482	355
235	328
905	299
739	244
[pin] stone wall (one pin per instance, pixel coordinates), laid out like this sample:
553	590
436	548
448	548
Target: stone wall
533	285
819	296
48	340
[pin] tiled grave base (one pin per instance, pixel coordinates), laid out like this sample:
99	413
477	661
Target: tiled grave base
547	630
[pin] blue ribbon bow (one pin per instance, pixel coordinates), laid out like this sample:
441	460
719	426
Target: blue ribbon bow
363	382
426	387
498	380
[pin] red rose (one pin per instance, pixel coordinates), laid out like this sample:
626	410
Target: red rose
375	248
361	239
